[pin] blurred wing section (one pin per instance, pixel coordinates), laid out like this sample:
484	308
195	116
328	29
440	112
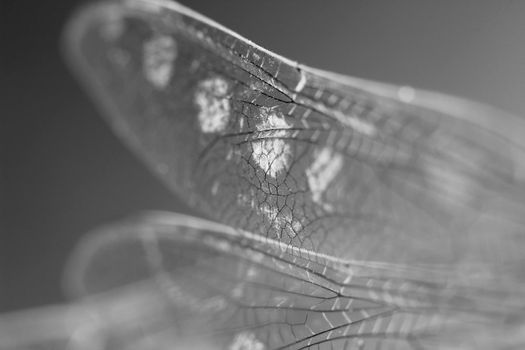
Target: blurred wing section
54	327
167	281
171	281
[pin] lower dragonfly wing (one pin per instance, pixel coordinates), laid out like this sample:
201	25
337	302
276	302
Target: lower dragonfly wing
173	279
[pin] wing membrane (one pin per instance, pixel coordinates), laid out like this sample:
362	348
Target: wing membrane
357	213
224	287
341	166
172	281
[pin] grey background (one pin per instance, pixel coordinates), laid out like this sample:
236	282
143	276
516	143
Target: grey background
63	172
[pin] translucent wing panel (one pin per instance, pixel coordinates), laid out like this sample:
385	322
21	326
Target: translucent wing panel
170	280
337	165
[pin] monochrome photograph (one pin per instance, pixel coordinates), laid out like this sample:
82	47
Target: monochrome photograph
258	175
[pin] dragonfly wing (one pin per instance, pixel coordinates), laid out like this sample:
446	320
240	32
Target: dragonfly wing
338	165
169	280
339	173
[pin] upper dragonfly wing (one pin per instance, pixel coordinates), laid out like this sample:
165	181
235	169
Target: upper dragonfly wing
341	166
172	281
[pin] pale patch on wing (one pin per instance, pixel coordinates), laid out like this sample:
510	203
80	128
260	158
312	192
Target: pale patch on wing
358	125
451	185
297	226
246	341
280	221
113	26
214	106
247	199
301	83
321	173
272	154
406	94
215	188
272	121
271	214
159	54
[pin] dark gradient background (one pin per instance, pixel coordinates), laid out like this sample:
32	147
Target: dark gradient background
63	172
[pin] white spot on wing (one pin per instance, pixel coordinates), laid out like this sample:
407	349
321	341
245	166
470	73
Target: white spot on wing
406	94
215	188
246	341
113	26
159	54
238	291
214	106
269	212
361	126
229	155
281	221
296	226
450	185
322	172
272	154
272	214
301	83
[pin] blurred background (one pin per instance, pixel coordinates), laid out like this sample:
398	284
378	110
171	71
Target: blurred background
63	172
